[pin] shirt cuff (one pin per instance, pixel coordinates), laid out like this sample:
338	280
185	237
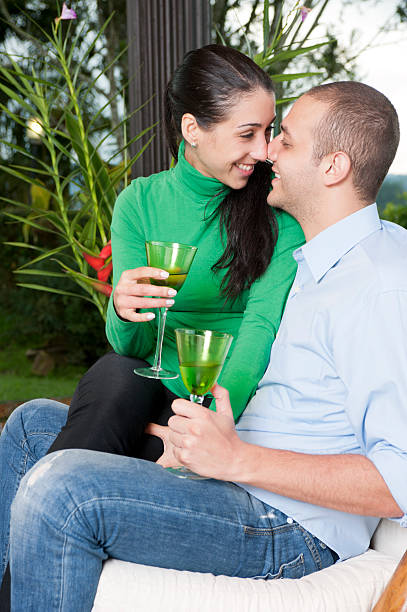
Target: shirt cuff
392	465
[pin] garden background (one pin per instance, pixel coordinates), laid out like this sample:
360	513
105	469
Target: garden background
59	176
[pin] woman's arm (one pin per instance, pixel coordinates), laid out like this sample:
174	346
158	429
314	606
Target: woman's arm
128	252
264	309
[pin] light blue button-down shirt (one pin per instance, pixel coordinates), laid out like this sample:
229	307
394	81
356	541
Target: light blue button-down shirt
337	377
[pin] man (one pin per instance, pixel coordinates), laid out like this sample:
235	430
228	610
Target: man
320	452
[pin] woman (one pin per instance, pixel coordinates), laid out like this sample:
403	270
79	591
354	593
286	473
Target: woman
219	106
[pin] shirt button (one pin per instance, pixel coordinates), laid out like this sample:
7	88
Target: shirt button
290	520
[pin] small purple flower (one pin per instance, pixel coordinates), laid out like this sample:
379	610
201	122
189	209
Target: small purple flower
304	10
66	13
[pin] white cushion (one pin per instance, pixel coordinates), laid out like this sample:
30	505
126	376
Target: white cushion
351	586
390	538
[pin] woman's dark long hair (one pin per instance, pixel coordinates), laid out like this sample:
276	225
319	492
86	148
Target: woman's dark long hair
207	84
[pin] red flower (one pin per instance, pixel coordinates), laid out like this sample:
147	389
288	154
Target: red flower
103	288
104	273
102	263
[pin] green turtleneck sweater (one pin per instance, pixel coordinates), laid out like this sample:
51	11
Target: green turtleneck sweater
174	206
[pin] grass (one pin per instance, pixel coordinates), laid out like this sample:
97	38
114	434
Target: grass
18	383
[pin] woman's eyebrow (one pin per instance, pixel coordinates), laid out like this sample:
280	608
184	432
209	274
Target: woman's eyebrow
254	124
249	125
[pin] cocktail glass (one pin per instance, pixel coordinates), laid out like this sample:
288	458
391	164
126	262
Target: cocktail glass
201	355
176	259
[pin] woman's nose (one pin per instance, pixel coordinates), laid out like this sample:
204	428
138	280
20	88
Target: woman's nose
260	152
272	149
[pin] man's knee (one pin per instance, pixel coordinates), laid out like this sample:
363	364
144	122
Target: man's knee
48	490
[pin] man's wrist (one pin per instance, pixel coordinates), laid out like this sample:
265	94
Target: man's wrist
240	466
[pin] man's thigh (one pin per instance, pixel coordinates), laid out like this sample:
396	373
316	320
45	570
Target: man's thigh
137	511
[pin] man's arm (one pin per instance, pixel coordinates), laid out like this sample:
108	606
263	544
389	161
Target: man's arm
207	443
350	483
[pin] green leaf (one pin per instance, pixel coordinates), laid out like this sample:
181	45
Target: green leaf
286	100
53	290
280	78
88	235
23	245
266	25
45	273
290	53
44	256
13	96
24	177
105	192
24	220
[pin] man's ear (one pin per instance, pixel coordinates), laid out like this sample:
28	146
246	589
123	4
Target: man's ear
190	129
336	167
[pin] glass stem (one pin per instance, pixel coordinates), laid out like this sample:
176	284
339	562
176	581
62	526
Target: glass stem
198	399
162	317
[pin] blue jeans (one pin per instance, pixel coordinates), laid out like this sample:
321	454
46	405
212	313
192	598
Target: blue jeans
26	437
75	508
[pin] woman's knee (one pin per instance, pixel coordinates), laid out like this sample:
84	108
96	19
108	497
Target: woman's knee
110	385
112	364
37	415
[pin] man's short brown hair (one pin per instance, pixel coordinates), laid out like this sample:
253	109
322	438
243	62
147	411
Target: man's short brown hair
361	122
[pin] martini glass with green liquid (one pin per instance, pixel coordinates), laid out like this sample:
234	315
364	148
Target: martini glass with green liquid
201	355
176	259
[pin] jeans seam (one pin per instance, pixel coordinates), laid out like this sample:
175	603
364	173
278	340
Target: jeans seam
298	560
261	531
19	478
309	540
61	590
147	503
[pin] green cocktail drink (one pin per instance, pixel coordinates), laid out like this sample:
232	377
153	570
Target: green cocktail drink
175	280
176	259
201	355
199	378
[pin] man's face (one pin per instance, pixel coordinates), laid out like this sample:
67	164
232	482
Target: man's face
298	178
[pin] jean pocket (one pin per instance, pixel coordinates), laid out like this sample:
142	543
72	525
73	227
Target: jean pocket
292	569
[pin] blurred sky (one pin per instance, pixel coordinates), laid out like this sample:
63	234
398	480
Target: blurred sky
384	66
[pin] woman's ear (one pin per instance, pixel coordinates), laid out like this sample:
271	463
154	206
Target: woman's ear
336	167
190	129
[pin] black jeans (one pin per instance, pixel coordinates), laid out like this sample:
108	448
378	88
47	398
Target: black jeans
109	411
111	407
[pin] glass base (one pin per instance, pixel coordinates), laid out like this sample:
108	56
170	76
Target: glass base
160	374
183	472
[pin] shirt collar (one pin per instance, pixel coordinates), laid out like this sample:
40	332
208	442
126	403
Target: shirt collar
327	247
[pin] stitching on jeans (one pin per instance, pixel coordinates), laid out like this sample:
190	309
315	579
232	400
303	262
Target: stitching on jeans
309	540
294	564
254	531
147	503
20	476
61	589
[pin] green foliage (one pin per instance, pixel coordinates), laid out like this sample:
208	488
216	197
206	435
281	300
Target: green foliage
72	187
392	199
396	212
42	319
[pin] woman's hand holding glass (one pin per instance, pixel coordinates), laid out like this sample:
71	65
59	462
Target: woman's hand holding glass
134	291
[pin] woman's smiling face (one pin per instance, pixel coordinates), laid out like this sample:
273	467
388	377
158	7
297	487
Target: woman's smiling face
229	150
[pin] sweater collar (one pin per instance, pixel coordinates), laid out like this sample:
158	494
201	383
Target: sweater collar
199	187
